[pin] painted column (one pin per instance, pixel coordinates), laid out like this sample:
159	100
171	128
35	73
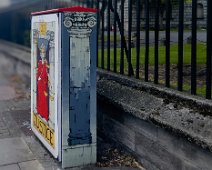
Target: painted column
79	25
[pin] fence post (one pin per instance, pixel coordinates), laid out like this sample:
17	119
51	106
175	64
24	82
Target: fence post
115	36
103	34
194	47
138	12
147	41
122	38
129	35
108	33
168	13
209	46
180	45
97	40
157	11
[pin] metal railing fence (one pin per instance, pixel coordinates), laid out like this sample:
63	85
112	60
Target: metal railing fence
144	39
131	44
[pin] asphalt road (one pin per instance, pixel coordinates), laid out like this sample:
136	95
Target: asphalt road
201	38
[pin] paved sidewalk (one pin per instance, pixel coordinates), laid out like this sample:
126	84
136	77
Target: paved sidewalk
15	151
19	148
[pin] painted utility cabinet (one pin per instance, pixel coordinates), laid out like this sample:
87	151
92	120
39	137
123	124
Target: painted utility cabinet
63	83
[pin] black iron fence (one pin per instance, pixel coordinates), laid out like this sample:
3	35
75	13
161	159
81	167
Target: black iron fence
164	42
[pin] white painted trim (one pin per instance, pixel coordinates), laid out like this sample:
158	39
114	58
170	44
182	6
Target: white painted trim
59	89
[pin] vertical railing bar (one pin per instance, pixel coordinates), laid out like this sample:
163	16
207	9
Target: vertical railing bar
122	38
168	43
193	47
180	45
87	3
156	41
103	37
209	48
129	35
55	4
138	39
92	3
97	37
46	6
119	24
147	41
108	35
115	36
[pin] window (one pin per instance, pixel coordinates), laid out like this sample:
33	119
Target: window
200	11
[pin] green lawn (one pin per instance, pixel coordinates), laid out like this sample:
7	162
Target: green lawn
201	55
201	60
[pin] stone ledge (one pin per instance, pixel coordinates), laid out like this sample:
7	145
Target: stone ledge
180	120
16	51
201	105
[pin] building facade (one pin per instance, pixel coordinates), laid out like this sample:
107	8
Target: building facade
201	14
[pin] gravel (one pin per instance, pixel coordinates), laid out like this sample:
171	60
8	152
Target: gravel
110	154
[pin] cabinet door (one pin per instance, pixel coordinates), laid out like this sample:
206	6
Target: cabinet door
44	82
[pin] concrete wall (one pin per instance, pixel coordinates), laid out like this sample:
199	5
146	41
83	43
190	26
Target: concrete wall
15	59
155	147
162	133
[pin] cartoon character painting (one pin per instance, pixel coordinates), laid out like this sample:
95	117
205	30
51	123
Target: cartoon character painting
44	72
43	80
